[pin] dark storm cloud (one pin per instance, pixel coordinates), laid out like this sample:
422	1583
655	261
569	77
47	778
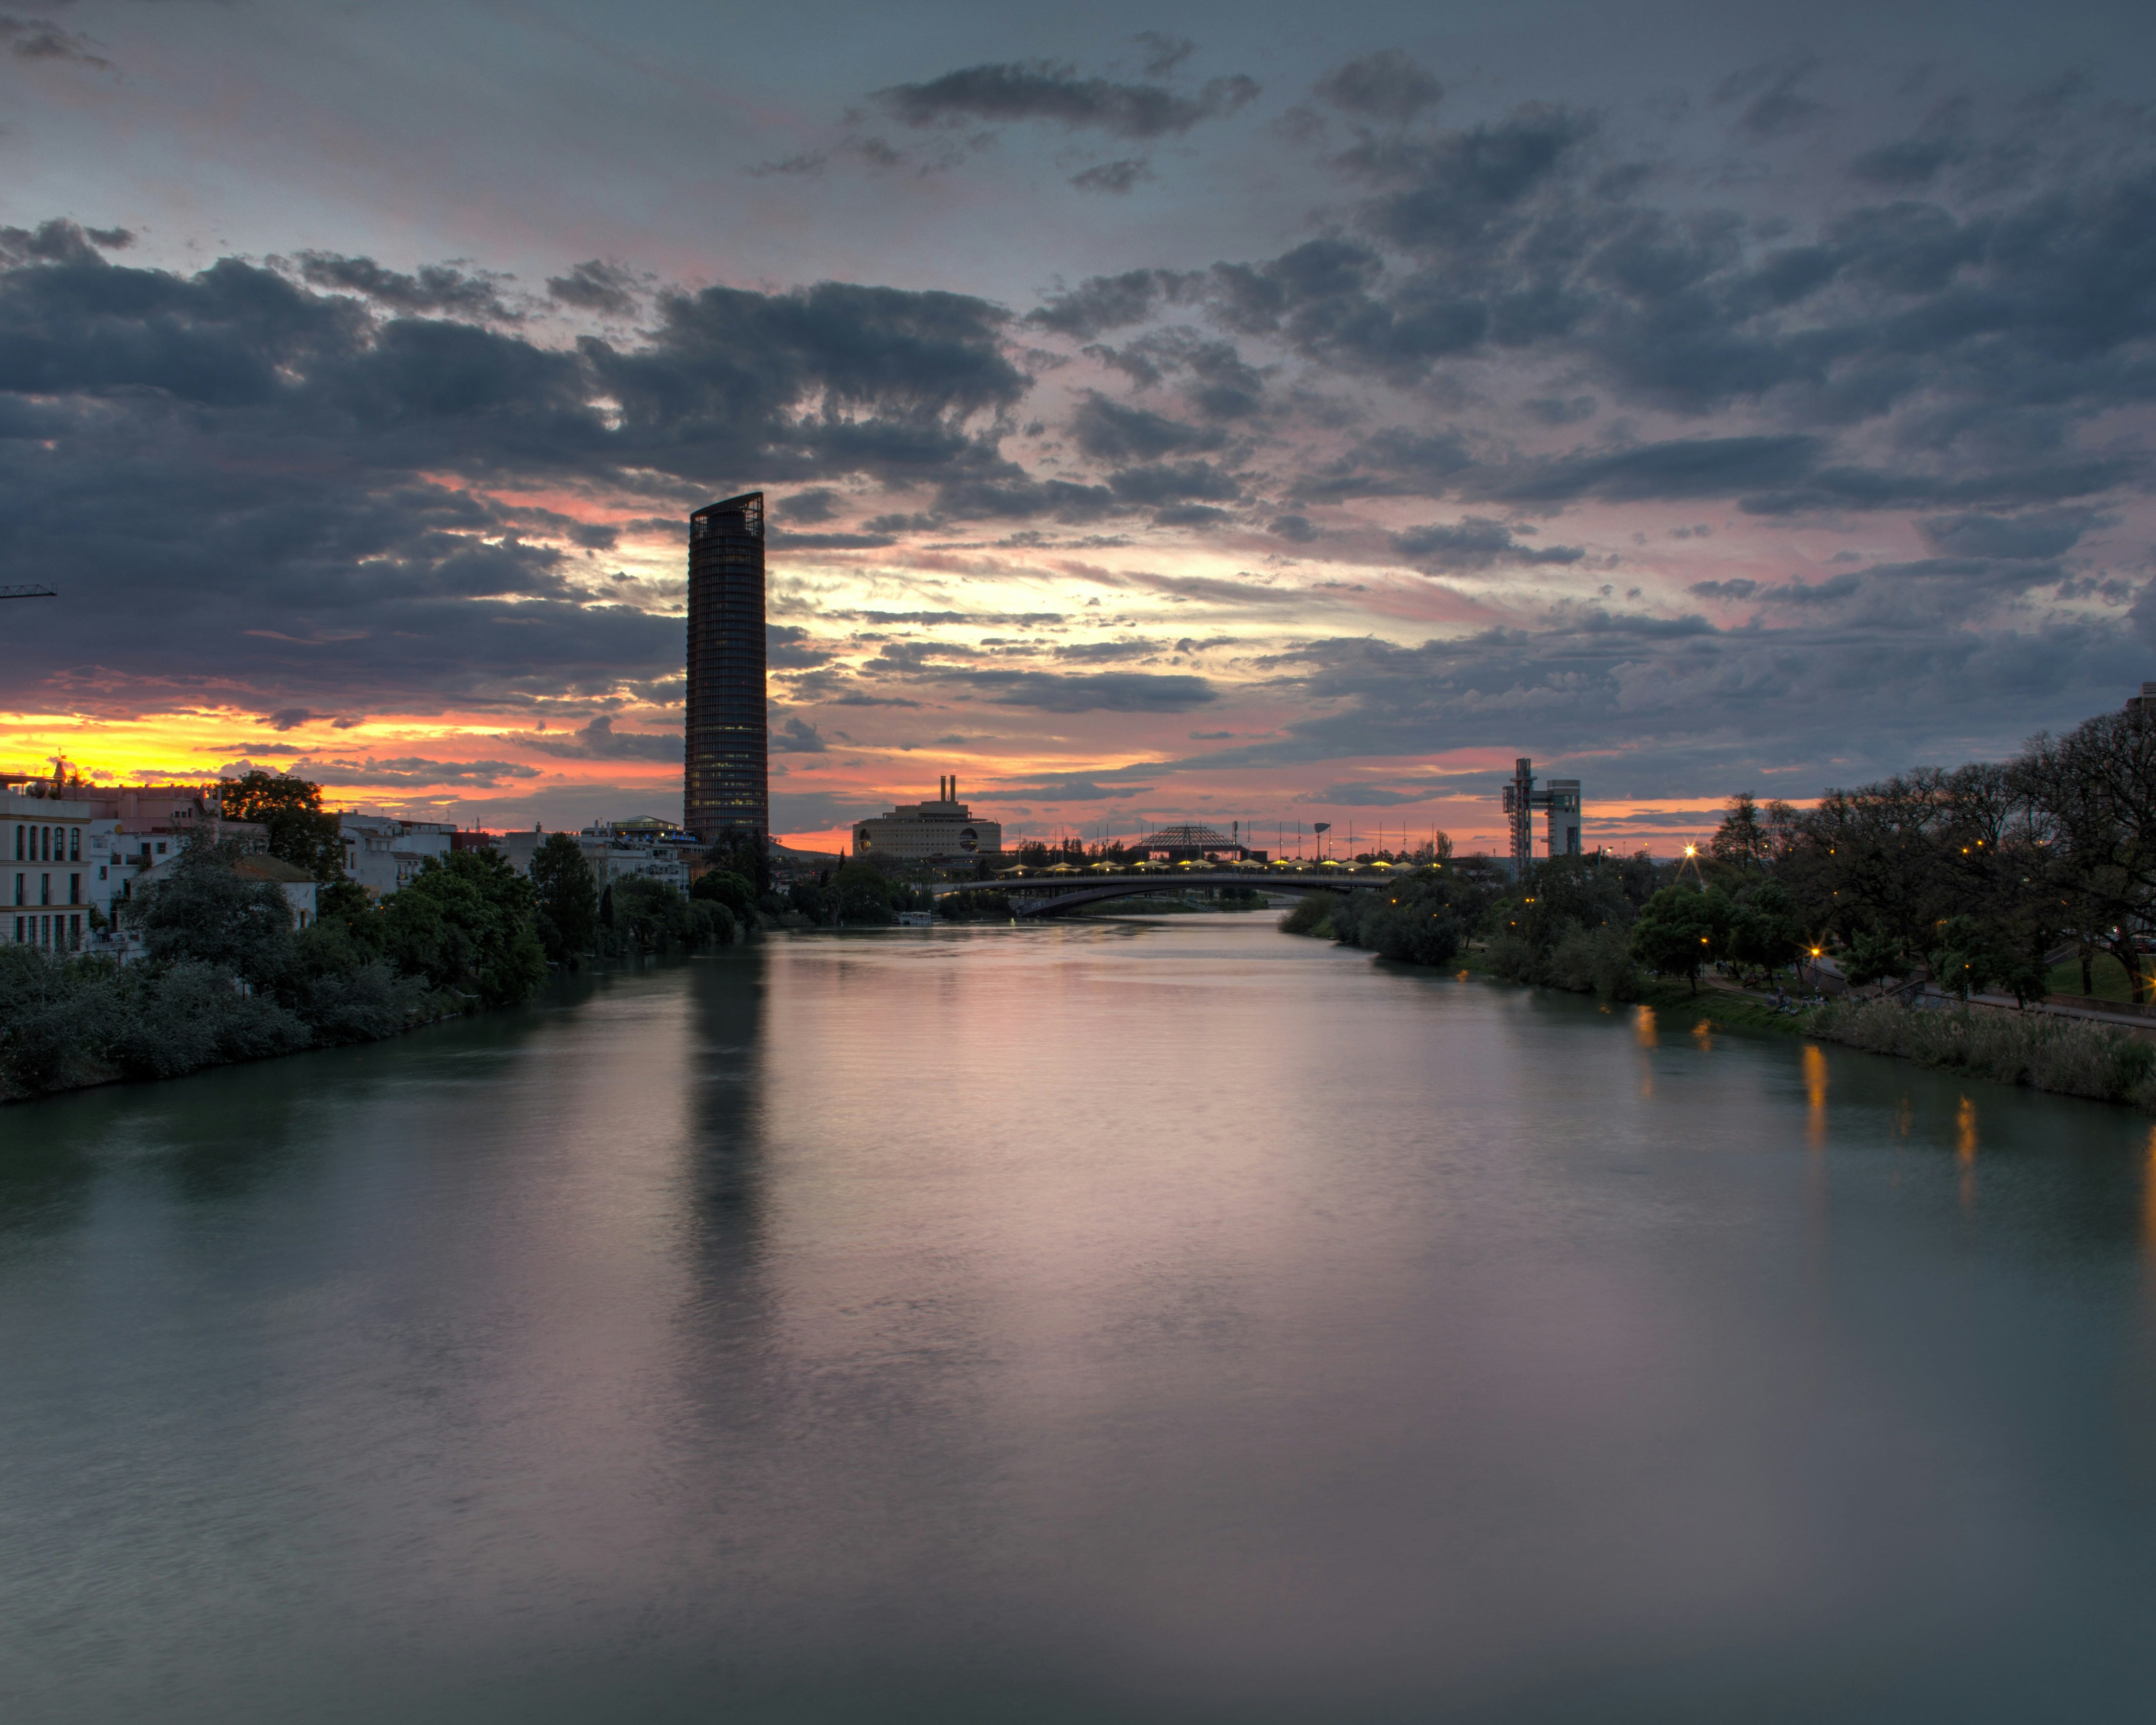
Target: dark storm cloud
1774	104
1880	694
1053	91
1681	468
1461	187
1116	177
1060	691
411	772
1215	379
1163	53
32	39
786	647
438	288
596	285
2040	533
1372	796
797	736
60	241
1164	482
1477	543
1100	303
599	741
1074	788
234	468
1981	325
1386	85
1110	431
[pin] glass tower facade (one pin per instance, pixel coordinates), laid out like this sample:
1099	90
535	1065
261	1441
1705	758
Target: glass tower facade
728	790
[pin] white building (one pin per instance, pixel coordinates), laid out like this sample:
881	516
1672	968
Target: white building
928	832
298	885
66	848
55	863
609	859
383	853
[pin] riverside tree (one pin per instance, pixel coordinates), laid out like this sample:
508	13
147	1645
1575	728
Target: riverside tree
1679	930
565	899
302	831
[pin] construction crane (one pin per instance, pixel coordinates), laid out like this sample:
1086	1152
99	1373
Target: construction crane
28	593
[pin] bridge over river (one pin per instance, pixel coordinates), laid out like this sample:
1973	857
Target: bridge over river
1047	894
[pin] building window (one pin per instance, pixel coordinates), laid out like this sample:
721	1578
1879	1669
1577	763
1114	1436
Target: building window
74	889
74	934
161	847
18	931
18	889
101	870
19	857
74	843
44	888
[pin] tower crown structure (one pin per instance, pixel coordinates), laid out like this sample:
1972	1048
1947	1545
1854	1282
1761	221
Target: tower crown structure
727	788
1559	796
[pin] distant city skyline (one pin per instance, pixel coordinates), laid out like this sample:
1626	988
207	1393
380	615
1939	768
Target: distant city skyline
1183	414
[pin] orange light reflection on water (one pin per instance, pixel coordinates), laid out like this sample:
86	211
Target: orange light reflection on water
1815	1094
2148	1193
1644	1032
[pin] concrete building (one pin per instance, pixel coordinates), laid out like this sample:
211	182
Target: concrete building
1560	797
609	859
298	885
945	829
383	853
56	850
68	848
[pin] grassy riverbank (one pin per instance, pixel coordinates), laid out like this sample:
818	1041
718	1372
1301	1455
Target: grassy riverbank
2044	1051
1724	1008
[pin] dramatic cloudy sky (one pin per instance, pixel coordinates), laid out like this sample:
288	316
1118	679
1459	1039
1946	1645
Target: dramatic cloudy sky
1280	411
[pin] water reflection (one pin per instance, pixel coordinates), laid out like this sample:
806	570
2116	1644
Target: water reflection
1643	1027
1814	1068
1169	1322
2148	1193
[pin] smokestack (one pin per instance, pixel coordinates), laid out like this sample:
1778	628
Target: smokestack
954	787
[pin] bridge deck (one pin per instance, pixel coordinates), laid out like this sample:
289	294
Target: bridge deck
1041	895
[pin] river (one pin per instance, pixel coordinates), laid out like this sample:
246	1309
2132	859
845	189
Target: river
1156	1320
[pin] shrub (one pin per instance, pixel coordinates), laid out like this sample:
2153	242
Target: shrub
192	1016
1510	957
1596	961
723	886
2045	1051
1314	914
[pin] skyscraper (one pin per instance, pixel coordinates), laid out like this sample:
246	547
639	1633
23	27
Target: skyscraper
728	793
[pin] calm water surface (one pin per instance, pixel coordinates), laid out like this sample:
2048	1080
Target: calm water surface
1166	1321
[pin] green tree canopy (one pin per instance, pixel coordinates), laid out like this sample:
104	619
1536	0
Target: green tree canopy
1679	930
1763	930
723	885
302	832
204	913
862	893
566	898
1741	840
468	923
